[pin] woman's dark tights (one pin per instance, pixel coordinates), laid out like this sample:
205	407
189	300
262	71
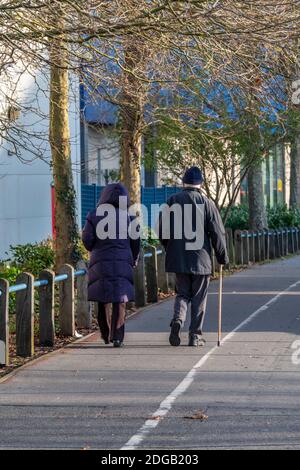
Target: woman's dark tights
111	319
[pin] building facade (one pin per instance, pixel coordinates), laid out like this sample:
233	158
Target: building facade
276	177
25	180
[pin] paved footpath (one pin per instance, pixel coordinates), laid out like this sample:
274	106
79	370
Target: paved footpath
94	396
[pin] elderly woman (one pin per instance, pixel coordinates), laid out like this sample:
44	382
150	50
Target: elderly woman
112	260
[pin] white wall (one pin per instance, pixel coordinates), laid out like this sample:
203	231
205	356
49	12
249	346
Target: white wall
25	195
103	153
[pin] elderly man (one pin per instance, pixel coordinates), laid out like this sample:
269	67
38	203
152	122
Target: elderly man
188	225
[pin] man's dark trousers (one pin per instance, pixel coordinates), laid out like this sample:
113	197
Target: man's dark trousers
191	288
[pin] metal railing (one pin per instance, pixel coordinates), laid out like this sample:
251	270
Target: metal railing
248	246
149	278
61	277
44	282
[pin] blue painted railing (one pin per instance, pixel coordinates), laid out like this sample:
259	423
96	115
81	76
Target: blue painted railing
58	278
267	232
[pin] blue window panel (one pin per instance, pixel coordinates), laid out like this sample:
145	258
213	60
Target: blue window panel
90	196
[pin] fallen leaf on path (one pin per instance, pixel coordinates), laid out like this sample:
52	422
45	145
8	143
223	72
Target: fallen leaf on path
199	415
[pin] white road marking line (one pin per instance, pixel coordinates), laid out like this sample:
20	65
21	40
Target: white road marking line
166	404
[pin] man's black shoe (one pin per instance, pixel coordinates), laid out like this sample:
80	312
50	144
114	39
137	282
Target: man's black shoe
174	337
118	344
196	341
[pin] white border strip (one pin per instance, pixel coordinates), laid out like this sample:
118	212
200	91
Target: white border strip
166	404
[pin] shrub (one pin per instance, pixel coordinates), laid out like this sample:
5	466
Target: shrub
84	254
282	216
278	217
149	237
32	257
10	273
238	217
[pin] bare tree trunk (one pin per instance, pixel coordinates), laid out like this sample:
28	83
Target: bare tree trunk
66	243
257	209
131	150
132	117
295	173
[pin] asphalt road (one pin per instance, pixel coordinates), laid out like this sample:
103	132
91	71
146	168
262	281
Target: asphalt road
94	396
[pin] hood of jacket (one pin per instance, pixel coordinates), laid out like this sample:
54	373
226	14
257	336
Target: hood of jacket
111	194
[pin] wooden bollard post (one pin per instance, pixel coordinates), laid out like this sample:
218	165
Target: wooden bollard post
267	244
46	297
139	282
284	242
4	323
251	246
25	316
287	239
238	248
66	301
257	251
162	276
281	237
245	246
298	237
151	275
280	242
83	310
290	241
277	243
292	245
295	238
262	245
271	244
230	247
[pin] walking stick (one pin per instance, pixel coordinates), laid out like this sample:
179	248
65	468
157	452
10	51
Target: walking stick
220	306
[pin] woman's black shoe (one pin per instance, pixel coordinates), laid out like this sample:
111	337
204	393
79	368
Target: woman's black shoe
118	344
174	337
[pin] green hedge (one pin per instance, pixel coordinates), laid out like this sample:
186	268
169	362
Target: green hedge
278	217
282	216
32	257
238	218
